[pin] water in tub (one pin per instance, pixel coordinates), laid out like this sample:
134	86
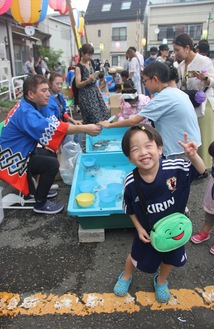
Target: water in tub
103	177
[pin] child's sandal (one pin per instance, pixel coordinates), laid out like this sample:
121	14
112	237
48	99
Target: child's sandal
162	292
122	286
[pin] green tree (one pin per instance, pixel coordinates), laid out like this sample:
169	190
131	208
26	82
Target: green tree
53	56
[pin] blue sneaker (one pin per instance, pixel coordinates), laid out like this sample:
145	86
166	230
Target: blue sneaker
48	207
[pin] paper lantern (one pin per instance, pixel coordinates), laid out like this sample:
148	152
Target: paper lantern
81	27
143	42
59	5
101	46
29	12
5	6
43	11
117	45
64	10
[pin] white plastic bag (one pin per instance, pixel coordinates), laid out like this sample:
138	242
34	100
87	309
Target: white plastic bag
70	152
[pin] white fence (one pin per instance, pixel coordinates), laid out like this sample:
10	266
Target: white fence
5	88
17	84
11	88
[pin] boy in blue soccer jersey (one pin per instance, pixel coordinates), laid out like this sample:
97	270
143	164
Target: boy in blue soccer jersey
165	185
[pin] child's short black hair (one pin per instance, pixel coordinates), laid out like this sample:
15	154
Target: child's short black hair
101	75
118	86
129	84
173	71
211	150
158	69
125	74
151	132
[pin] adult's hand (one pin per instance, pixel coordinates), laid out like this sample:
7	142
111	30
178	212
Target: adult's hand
77	122
90	129
93	129
105	124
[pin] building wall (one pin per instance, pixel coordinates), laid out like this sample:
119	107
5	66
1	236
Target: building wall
61	37
179	13
19	46
134	36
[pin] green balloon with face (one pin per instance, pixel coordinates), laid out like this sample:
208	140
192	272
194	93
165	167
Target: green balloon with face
171	232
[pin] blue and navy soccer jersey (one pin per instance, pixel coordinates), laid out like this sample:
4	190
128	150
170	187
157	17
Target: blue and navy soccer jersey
167	194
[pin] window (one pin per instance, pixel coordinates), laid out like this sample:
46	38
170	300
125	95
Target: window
115	61
119	34
195	31
126	5
21	54
169	32
99	33
106	7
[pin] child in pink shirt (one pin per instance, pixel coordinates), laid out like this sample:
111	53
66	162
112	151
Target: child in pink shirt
208	204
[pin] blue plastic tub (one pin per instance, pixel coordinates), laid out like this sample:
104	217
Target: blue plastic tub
109	168
109	140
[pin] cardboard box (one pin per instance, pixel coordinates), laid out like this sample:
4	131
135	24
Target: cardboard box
115	111
115	100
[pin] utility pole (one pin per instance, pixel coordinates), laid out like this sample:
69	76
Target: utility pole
73	25
208	24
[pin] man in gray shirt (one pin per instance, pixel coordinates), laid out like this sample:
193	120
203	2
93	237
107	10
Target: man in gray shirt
28	67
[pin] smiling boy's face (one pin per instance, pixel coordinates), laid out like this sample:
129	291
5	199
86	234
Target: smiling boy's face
144	153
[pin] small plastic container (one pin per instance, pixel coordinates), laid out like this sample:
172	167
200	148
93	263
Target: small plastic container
88	161
116	188
86	186
107	196
1	206
85	199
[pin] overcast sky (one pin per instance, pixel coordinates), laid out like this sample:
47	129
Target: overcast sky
80	5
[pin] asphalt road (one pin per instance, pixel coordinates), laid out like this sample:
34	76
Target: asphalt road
50	280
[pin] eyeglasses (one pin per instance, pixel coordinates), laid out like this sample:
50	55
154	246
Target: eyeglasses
144	81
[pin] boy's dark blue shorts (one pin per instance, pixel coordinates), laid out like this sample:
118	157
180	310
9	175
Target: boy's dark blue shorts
148	260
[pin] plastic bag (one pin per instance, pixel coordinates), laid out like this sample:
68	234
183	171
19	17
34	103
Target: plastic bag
70	152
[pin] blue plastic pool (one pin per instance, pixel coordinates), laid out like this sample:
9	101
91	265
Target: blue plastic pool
109	140
108	168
